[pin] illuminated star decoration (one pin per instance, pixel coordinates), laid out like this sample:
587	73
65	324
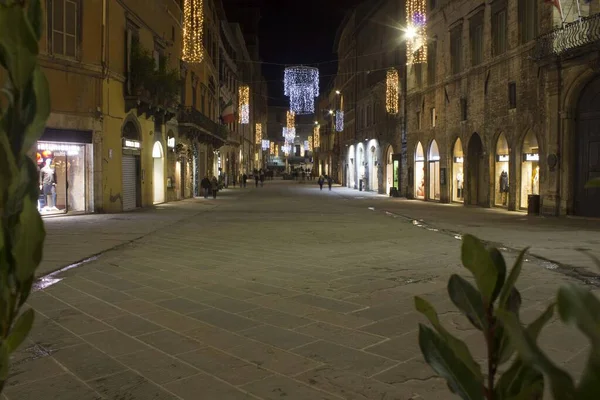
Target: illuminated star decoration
301	85
416	32
193	26
244	104
339	121
391	91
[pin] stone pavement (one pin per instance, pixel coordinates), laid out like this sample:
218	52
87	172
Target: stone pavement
277	292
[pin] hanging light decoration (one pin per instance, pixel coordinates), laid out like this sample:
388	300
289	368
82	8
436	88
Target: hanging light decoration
265	145
289	134
391	92
317	136
301	85
286	148
272	148
339	121
290	119
416	32
258	132
276	152
193	26
244	104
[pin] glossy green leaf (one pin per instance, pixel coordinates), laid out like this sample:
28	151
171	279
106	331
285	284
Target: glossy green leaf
18	45
589	385
561	383
458	346
500	264
29	239
512	279
467	299
520	382
444	362
20	330
34	15
579	307
478	260
40	109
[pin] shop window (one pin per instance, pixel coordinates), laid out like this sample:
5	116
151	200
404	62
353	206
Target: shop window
419	172
502	171
64	27
458	177
530	168
512	95
434	171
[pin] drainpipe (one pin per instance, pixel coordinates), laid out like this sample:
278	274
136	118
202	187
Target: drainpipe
558	141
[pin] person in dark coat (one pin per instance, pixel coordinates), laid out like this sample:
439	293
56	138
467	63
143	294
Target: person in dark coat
256	178
329	182
321	181
205	185
244	179
214	183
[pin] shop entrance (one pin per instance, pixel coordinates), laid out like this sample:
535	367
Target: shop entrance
458	178
587	152
158	176
390	178
373	178
530	169
501	172
475	171
419	172
434	171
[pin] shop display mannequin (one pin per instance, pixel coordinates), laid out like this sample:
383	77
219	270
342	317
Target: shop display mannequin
504	186
48	185
459	184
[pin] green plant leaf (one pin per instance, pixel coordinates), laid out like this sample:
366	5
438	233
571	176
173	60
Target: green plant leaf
521	382
512	279
20	330
500	264
467	299
460	349
34	15
561	383
589	386
39	109
18	45
444	362
578	306
29	240
478	260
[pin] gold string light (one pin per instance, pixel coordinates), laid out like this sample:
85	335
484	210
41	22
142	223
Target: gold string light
244	104
391	92
291	119
193	24
272	148
416	32
310	143
258	133
317	136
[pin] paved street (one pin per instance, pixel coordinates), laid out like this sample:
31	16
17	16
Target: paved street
269	293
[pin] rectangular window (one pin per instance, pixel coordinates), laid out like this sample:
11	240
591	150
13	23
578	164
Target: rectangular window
528	26
476	33
64	27
512	95
456	49
499	33
419	75
463	109
431	62
433	116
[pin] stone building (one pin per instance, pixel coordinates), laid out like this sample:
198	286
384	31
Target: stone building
490	125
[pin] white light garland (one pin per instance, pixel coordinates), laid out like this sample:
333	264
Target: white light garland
416	32
391	92
289	134
265	144
301	85
286	149
193	27
339	121
244	104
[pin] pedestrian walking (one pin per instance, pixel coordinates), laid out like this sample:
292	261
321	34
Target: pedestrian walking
244	179
329	182
321	181
205	185
214	186
256	178
262	180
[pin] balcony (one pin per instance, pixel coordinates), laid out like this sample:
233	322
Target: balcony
198	126
568	40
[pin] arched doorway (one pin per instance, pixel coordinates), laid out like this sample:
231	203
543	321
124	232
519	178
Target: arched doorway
351	167
373	169
587	201
434	171
458	177
530	168
360	164
391	178
501	172
419	172
131	166
475	171
158	176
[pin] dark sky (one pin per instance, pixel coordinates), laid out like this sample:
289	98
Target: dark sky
299	32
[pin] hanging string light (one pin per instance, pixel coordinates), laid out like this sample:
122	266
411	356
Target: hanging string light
276	152
289	134
339	121
258	131
272	148
286	148
244	104
416	32
301	85
193	26
317	136
290	118
391	92
265	145
310	143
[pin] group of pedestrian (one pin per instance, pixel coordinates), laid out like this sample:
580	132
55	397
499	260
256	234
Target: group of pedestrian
210	185
323	179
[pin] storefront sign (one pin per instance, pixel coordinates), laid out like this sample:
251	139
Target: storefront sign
171	142
131	144
69	149
459	160
502	158
531	157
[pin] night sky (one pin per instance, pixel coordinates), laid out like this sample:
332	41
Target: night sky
299	32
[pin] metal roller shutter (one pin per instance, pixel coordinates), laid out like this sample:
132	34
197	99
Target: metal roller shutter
129	182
